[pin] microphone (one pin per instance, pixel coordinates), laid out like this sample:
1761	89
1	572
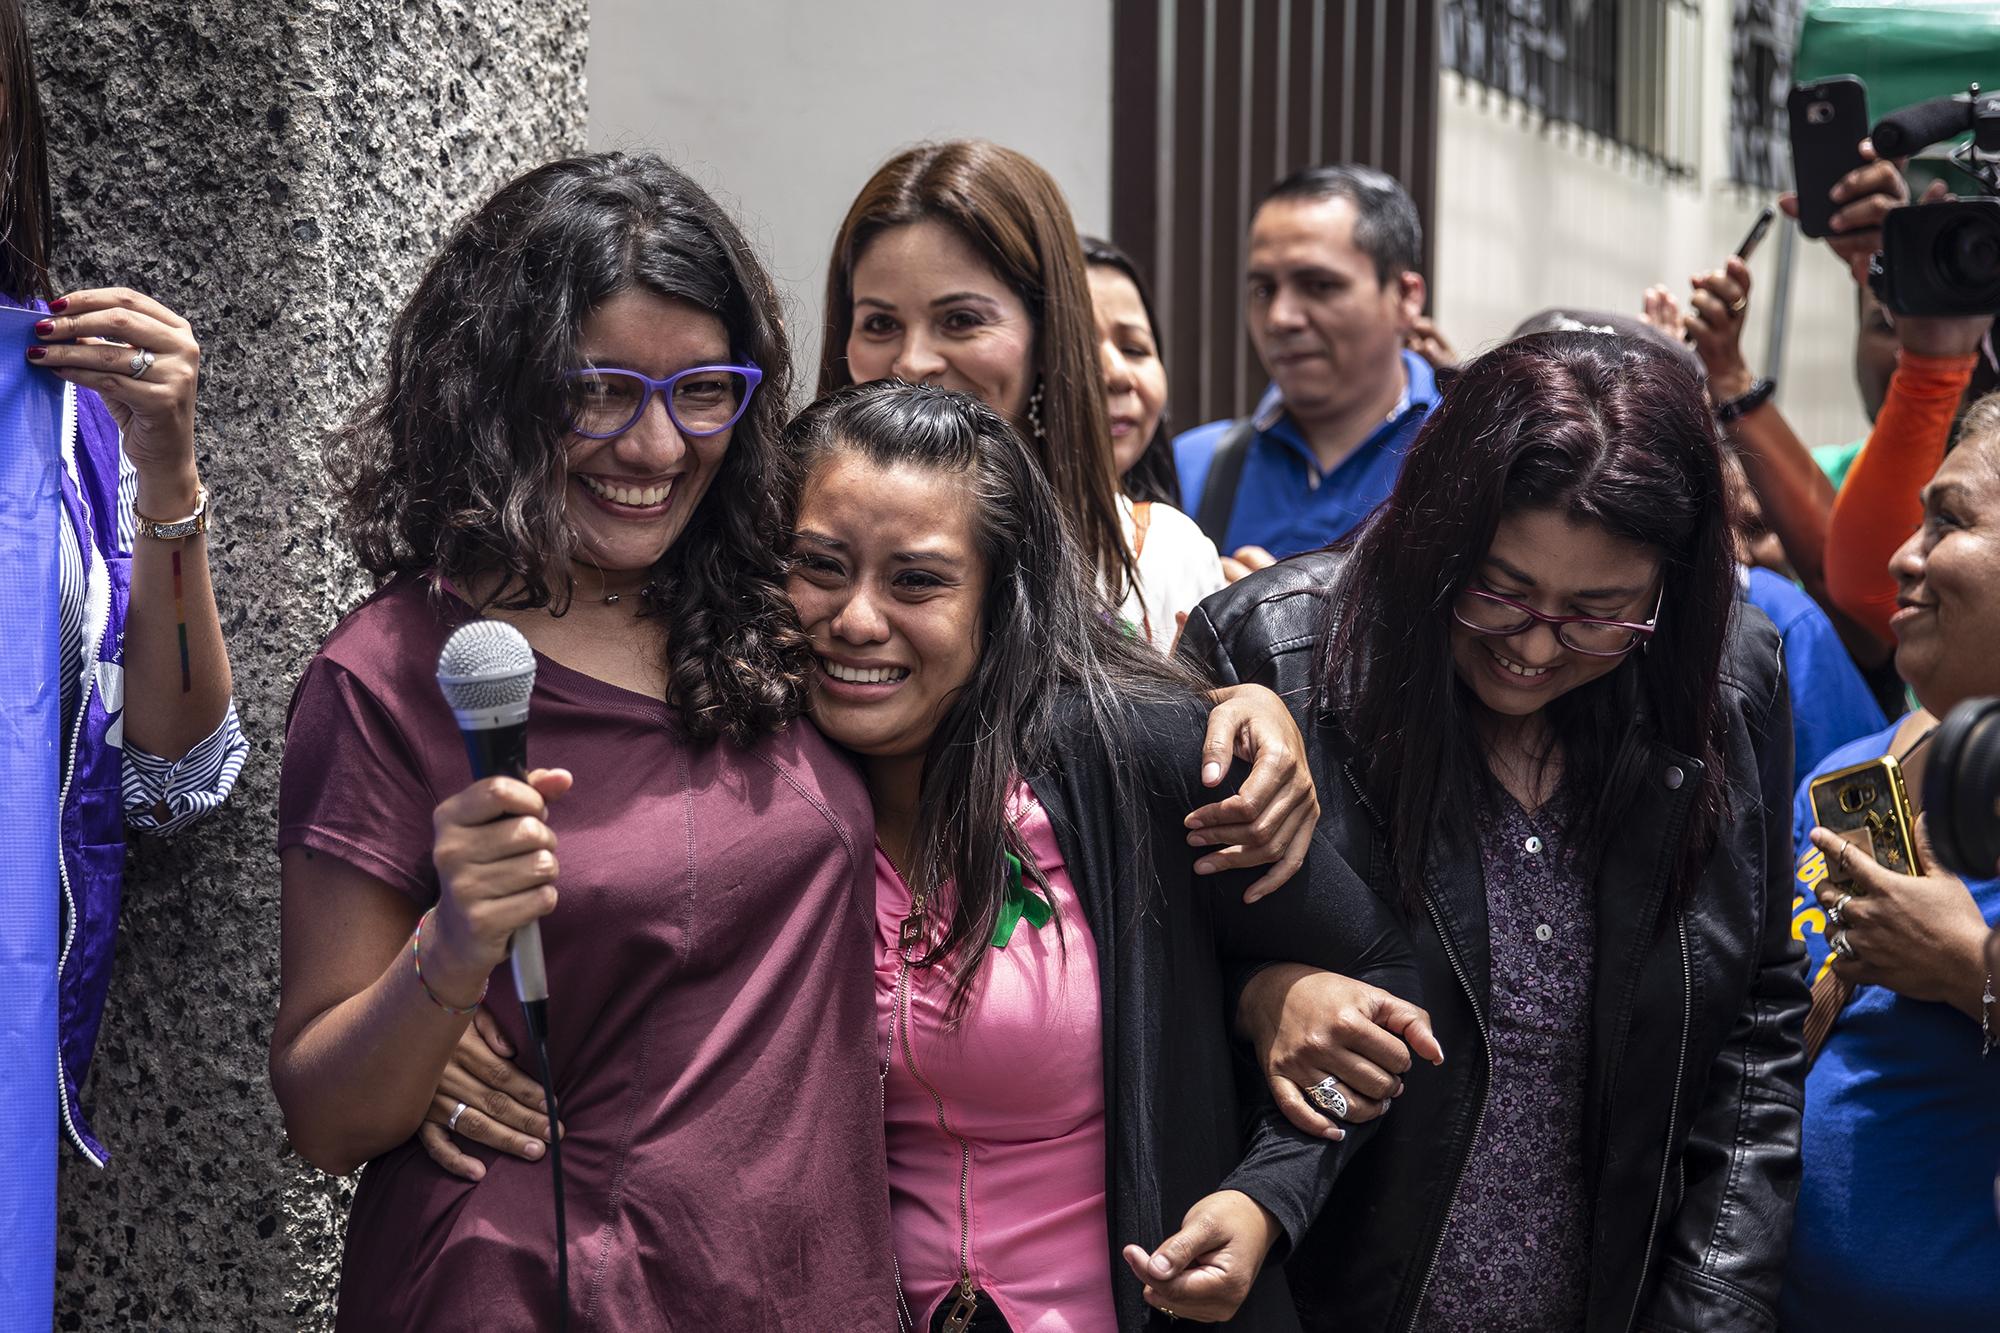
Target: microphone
1904	131
487	672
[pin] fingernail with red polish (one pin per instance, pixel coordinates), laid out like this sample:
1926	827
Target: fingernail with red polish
45	327
37	353
60	304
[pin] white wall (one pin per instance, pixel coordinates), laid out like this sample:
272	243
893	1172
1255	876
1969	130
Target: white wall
1527	220
784	109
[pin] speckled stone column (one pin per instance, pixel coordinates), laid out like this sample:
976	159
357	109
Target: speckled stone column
277	171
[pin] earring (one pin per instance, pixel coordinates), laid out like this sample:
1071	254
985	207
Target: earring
1035	412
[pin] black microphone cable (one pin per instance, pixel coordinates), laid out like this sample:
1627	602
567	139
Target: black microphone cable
487	674
536	1015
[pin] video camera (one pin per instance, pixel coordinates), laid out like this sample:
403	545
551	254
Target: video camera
1943	258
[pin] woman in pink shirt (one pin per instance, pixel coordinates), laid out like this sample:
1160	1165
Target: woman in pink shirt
1049	975
1053	1052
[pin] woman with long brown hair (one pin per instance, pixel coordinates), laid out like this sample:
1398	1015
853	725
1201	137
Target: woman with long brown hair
958	264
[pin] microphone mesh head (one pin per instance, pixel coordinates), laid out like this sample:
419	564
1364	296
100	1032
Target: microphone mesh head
486	664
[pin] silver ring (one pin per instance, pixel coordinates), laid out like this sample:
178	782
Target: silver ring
1328	1097
1840	945
1839	906
451	1125
142	361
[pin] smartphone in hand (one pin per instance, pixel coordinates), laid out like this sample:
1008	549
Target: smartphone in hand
1829	121
1869	805
1755	235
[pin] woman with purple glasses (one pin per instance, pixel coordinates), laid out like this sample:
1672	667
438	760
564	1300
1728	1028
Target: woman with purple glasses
1543	718
578	434
572	437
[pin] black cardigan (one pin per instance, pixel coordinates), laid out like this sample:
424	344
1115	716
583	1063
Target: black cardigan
1186	1113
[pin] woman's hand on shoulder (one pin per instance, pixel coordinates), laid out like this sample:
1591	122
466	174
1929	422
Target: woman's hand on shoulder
1306	1026
1246	562
1922	936
92	338
496	865
1270	819
501	1106
1205	1270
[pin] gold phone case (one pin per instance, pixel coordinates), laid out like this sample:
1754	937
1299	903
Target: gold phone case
1869	806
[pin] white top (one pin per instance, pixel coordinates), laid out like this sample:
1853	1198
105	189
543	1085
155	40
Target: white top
1178	566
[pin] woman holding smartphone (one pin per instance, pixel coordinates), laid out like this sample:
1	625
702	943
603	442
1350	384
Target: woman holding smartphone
1542	722
1902	1124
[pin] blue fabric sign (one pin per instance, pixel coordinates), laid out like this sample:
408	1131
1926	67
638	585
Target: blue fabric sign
31	402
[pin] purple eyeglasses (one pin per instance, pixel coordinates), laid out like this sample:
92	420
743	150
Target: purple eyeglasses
1490	614
701	400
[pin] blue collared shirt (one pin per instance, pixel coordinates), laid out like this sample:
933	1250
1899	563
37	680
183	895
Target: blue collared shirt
1284	502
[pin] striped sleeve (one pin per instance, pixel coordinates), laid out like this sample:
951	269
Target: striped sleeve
128	499
163	796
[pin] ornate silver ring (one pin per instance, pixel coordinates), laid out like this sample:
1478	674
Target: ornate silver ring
1328	1097
142	361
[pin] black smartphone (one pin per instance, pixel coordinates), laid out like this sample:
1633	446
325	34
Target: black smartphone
1829	121
1752	237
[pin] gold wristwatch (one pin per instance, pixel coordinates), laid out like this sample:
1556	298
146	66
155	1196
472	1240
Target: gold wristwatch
172	530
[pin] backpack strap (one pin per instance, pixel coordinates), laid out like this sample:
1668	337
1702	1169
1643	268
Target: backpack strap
1225	475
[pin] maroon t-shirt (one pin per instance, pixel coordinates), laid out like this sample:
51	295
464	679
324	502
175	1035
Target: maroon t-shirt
710	1006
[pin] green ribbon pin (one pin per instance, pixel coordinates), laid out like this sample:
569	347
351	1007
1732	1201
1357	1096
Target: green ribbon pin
1020	901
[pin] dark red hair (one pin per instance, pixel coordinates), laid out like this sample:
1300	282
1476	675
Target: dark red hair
1603	429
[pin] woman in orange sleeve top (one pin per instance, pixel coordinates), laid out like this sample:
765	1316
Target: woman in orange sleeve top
1879	506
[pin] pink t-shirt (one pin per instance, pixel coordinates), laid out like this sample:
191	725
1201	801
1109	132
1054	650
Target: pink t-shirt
1021	1082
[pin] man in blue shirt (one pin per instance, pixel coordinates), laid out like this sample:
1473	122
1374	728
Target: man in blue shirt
1333	294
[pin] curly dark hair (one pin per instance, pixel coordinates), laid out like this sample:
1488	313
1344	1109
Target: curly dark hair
459	466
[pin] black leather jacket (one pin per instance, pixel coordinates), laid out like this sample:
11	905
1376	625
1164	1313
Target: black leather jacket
1694	1087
